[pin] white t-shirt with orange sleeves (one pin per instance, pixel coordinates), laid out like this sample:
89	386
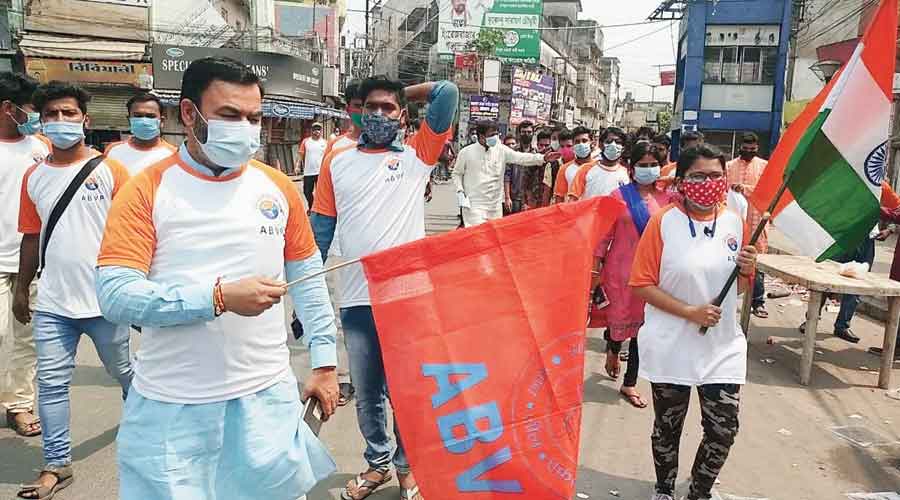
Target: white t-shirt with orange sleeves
598	180
566	176
692	269
183	228
339	142
15	159
313	151
136	159
378	198
67	283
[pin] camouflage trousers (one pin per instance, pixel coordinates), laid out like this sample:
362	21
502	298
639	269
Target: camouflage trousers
719	404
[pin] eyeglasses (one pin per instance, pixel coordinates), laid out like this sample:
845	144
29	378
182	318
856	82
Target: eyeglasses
701	177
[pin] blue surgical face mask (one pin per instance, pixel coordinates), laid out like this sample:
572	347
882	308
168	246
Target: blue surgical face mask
646	175
379	130
32	124
230	144
145	129
492	141
582	150
612	151
64	135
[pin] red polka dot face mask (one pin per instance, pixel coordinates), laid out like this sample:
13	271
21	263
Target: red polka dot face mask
705	194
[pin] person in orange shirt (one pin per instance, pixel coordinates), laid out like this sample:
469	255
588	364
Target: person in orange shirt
743	174
605	175
567	173
64	248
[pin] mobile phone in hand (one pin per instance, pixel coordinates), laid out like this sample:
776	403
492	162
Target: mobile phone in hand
599	297
312	414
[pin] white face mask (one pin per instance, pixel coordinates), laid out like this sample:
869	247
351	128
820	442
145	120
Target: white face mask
612	151
230	144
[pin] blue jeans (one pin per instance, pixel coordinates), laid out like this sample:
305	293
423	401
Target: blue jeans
759	290
367	373
866	255
56	339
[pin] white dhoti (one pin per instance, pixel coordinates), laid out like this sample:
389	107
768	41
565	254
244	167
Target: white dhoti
476	216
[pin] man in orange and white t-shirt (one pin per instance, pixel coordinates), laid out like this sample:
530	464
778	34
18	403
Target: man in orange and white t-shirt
197	252
607	174
145	147
375	191
66	303
20	148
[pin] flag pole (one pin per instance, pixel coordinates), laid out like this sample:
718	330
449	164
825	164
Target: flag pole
320	273
767	215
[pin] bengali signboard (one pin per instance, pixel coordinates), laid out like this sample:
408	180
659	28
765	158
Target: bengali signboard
483	107
281	74
135	74
532	97
519	20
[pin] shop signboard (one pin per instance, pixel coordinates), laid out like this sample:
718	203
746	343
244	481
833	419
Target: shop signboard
282	75
135	74
518	20
532	97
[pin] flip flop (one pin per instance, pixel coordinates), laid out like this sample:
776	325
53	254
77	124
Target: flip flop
635	400
760	312
360	487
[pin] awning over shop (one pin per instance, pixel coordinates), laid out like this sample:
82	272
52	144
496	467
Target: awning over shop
274	107
67	47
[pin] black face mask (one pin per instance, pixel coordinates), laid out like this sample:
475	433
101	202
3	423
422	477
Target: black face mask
525	140
748	155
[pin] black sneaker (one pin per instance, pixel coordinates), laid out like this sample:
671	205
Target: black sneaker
846	335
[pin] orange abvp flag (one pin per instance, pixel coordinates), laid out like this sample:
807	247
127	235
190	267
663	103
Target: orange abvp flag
482	333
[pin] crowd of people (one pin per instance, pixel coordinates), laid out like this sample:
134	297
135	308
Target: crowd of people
193	245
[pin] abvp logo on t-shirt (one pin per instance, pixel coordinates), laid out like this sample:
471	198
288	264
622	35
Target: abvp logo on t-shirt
273	216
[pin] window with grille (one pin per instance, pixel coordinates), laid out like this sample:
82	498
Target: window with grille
735	65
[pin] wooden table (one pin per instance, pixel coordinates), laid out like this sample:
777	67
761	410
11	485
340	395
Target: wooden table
822	278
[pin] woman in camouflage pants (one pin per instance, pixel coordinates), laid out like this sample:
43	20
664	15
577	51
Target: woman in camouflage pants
684	257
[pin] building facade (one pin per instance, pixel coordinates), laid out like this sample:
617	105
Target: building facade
731	64
609	82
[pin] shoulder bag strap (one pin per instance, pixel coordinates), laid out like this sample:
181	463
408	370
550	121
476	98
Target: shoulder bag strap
63	203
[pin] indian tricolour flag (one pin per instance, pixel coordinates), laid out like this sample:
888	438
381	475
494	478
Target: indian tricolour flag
832	159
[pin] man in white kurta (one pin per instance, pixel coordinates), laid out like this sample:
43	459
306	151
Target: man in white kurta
479	170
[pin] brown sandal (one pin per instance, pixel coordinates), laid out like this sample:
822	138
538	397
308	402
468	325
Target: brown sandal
360	487
29	428
64	478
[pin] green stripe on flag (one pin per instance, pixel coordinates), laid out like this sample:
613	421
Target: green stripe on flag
827	188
